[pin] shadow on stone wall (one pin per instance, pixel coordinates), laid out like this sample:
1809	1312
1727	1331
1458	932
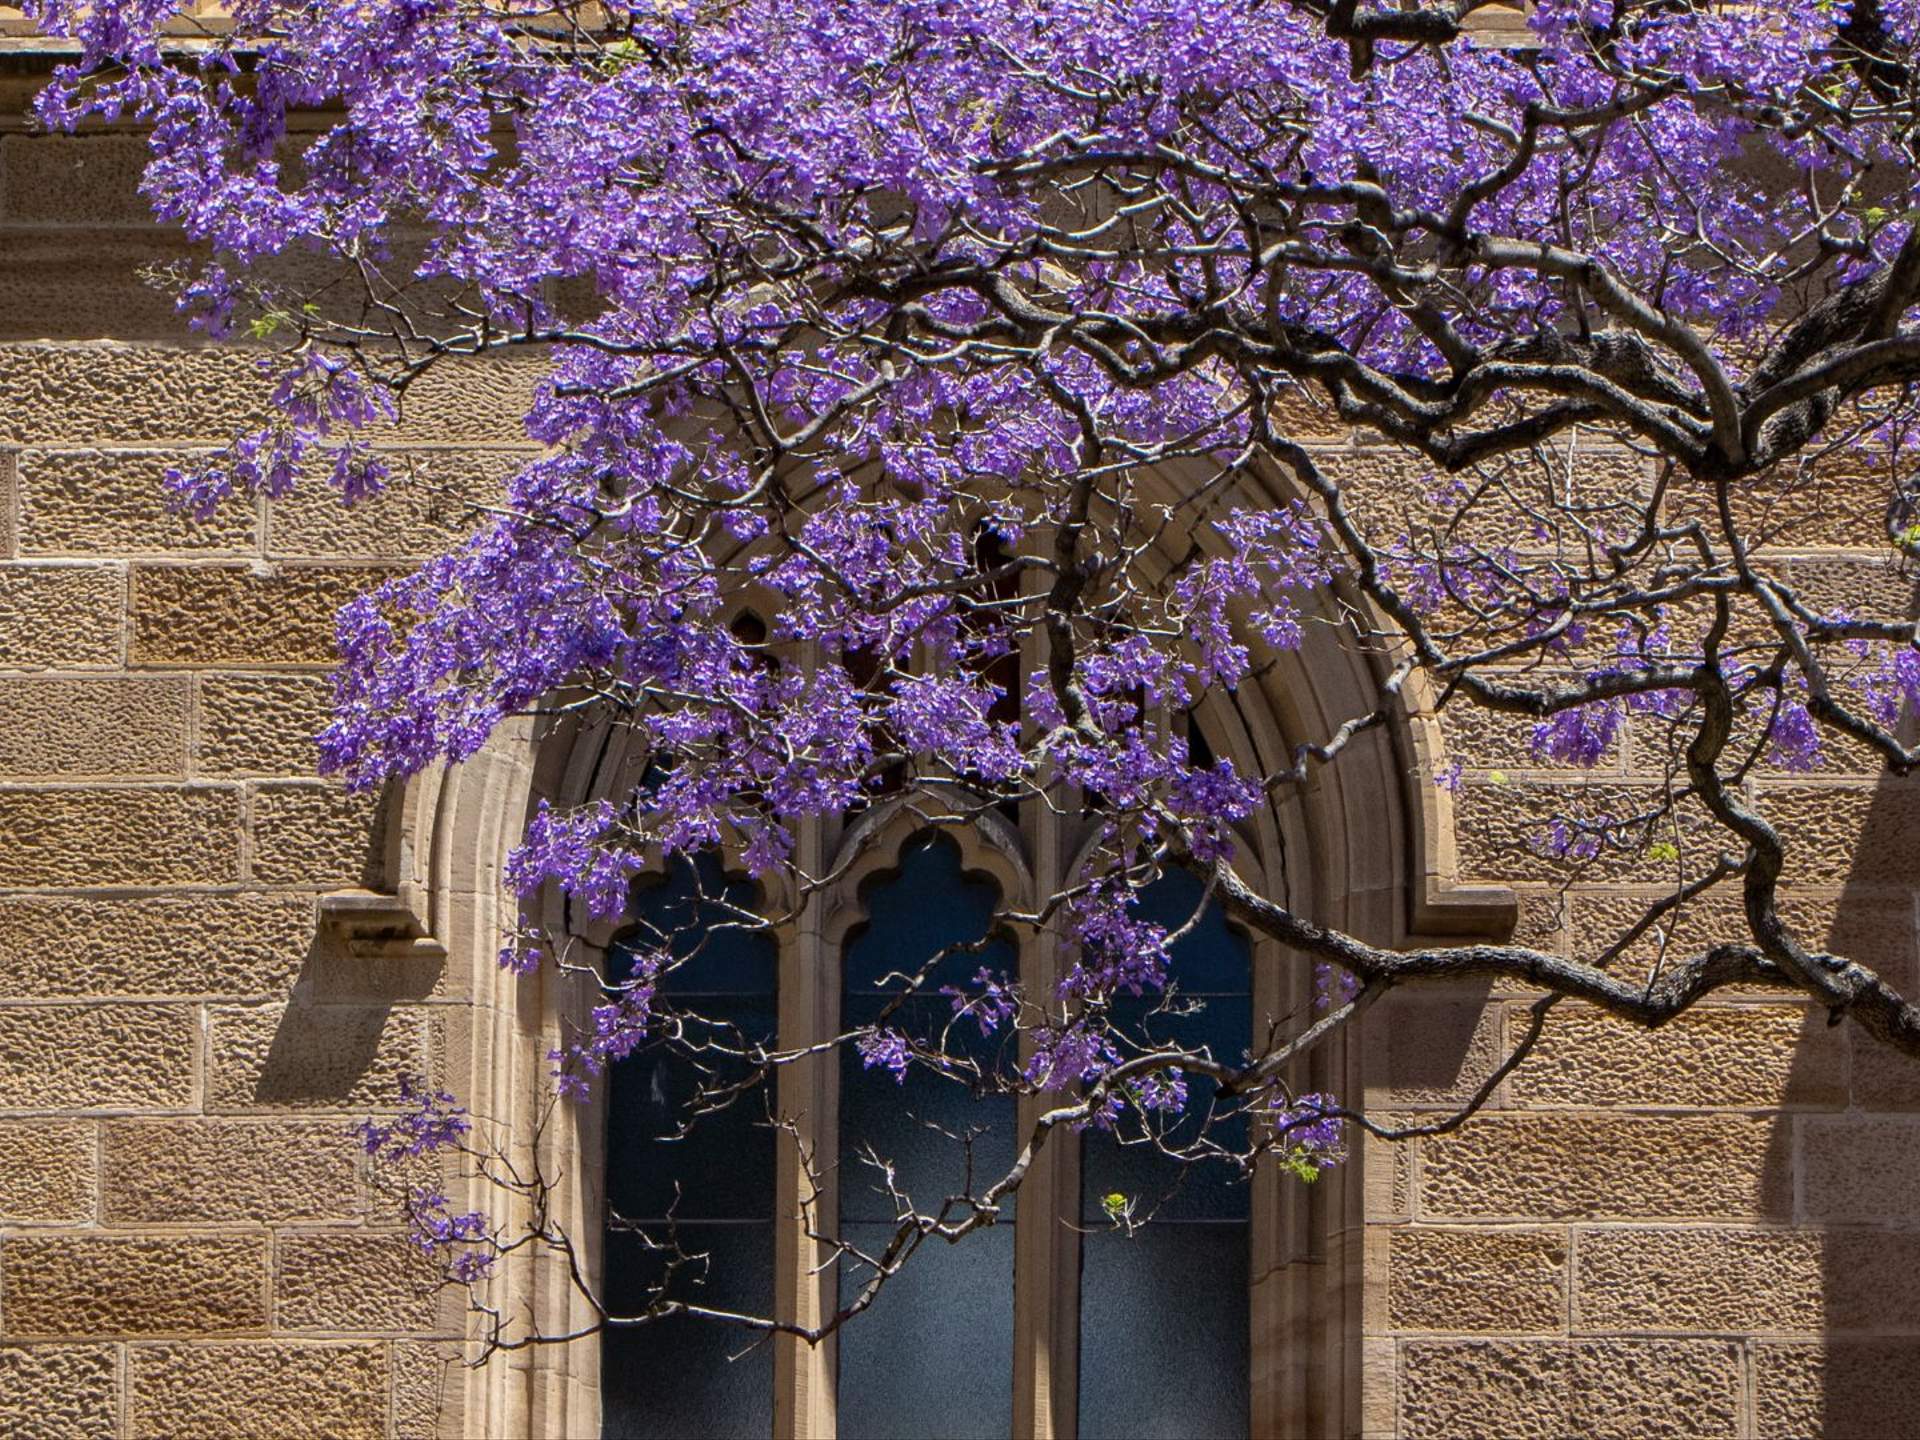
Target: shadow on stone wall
355	1023
348	1033
1838	1288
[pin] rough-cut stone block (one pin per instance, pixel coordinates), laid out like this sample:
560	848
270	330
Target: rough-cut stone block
59	1392
65	617
1844	1390
1873	585
119	837
105	394
9	493
210	1172
303	1055
427	1390
86	727
67	394
1708	1058
342	1281
101	1286
229	945
1389	491
262	724
1436	1051
1483	739
1867	1281
1501	1281
1860	1168
1550	1390
80	285
1657	747
73	180
468	401
1631	1389
428	506
105	1057
1505	831
1733	1280
47	1172
1876	931
1542	920
1828	499
1567	1166
288	1391
113	502
317	835
1883	1078
1697	1278
223	615
1846	834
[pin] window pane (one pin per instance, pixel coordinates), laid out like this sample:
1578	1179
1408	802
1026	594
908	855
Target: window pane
1212	958
1163	1332
681	910
680	1377
1165	1311
914	1124
687	1376
934	1356
723	1165
916	914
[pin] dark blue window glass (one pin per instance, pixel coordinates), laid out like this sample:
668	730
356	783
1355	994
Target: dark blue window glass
715	1179
934	1355
1165	1311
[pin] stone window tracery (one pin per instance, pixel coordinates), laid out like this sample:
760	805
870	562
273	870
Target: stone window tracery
917	910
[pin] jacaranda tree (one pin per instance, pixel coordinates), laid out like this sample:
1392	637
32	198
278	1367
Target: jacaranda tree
949	334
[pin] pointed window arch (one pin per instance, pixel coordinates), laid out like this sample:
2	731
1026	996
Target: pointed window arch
928	926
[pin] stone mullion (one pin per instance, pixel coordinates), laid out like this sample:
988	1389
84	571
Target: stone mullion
808	1097
1046	1316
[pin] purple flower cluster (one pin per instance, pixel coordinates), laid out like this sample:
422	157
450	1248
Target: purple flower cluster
887	1049
460	1240
1309	1133
618	1028
430	1121
992	1002
1065	1056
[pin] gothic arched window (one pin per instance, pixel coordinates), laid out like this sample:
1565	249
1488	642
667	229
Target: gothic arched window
928	927
1164	1299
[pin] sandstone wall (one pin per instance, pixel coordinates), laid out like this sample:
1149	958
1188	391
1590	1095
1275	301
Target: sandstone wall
188	1244
1709	1230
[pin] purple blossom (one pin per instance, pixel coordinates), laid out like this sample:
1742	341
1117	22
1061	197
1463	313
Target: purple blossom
888	1049
1579	736
1333	986
1067	1056
1309	1133
993	1002
430	1121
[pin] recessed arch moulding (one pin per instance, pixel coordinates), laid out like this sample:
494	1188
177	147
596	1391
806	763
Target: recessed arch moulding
1365	844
